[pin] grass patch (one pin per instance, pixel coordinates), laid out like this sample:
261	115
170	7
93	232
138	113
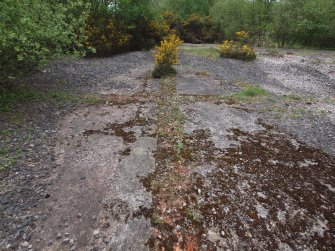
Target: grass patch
9	152
9	97
250	92
208	52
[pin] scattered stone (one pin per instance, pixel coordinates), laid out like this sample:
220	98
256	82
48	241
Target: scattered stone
8	246
248	234
223	233
66	234
96	233
79	215
71	242
25	244
65	241
59	236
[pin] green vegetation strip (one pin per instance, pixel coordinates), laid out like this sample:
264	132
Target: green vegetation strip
10	97
202	51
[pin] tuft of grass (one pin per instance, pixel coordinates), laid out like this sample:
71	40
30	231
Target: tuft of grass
180	146
208	52
156	220
163	134
293	97
250	92
194	215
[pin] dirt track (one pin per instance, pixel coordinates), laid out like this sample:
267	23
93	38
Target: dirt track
176	163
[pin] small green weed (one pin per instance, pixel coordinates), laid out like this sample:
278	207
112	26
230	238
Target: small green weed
156	220
163	134
180	146
194	215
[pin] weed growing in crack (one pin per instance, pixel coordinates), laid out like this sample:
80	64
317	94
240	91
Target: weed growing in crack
156	220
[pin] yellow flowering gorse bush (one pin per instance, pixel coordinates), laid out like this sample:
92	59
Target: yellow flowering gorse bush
242	35
107	40
166	55
237	49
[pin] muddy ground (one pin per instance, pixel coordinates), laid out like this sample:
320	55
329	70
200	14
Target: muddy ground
181	163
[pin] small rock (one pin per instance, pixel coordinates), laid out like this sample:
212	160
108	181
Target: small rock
223	233
79	215
94	217
8	246
30	246
59	236
73	248
66	234
25	244
65	241
71	242
50	243
96	232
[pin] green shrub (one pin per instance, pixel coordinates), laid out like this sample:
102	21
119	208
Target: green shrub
35	31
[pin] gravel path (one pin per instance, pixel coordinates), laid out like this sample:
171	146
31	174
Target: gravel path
175	163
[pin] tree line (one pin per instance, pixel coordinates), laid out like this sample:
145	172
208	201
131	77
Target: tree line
281	22
32	32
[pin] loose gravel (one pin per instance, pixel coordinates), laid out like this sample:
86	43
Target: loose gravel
300	105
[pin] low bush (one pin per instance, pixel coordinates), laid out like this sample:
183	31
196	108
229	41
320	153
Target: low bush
237	49
166	55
